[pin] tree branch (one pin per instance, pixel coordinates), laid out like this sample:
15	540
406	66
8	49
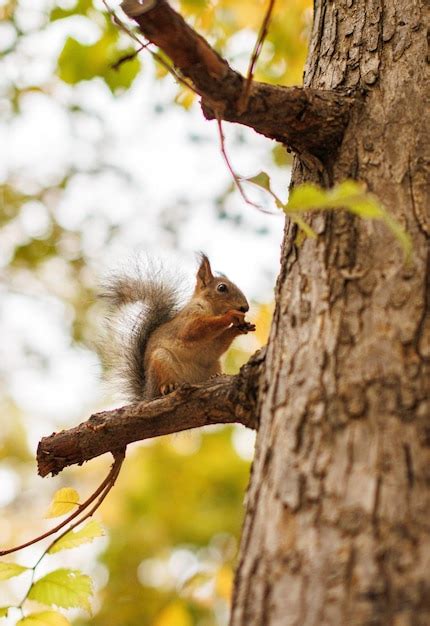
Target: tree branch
309	121
223	400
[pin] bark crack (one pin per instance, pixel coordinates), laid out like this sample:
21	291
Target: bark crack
410	476
376	503
349	572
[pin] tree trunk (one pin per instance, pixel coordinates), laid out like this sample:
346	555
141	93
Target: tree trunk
337	528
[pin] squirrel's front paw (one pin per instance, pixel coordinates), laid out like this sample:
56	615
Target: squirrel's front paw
235	317
246	327
168	388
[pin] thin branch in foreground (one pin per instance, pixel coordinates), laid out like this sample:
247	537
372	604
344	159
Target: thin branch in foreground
119	457
264	29
145	46
101	492
128	57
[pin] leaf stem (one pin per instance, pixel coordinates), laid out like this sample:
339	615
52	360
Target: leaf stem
101	492
71	517
235	177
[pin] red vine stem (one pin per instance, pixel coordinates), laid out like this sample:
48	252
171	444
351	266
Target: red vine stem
109	483
102	491
235	177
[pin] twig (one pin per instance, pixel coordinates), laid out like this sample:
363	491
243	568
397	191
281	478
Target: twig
111	480
100	489
294	116
121	24
264	29
184	82
235	177
173	71
128	57
109	483
145	46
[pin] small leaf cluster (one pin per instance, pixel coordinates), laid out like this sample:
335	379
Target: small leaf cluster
78	62
348	195
63	588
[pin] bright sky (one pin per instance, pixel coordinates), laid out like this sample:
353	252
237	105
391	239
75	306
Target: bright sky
164	206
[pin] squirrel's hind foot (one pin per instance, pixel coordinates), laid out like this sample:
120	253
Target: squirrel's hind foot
168	388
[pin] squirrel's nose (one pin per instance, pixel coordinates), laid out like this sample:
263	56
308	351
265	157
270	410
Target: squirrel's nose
244	309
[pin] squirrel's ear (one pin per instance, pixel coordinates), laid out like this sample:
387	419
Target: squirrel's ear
204	273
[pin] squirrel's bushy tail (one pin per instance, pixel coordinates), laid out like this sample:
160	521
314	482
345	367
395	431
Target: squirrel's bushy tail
137	306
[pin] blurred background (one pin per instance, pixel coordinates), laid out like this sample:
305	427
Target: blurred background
98	165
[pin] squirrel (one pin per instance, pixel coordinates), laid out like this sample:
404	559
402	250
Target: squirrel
169	345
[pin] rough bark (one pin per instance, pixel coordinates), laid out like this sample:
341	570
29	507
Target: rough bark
223	400
337	529
310	121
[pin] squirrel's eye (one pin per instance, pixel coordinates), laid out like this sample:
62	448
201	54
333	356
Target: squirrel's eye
222	287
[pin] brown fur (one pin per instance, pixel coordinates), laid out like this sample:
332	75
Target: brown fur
171	346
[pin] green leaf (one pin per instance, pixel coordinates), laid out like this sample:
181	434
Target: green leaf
401	235
64	500
262	179
65	588
44	618
4	610
78	62
350	196
307	230
196	581
76	538
281	157
58	13
80	8
306	197
9	570
123	76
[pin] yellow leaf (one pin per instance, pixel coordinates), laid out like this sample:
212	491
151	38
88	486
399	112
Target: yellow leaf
185	98
195	582
64	500
9	570
263	321
44	618
174	614
64	588
73	538
224	582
